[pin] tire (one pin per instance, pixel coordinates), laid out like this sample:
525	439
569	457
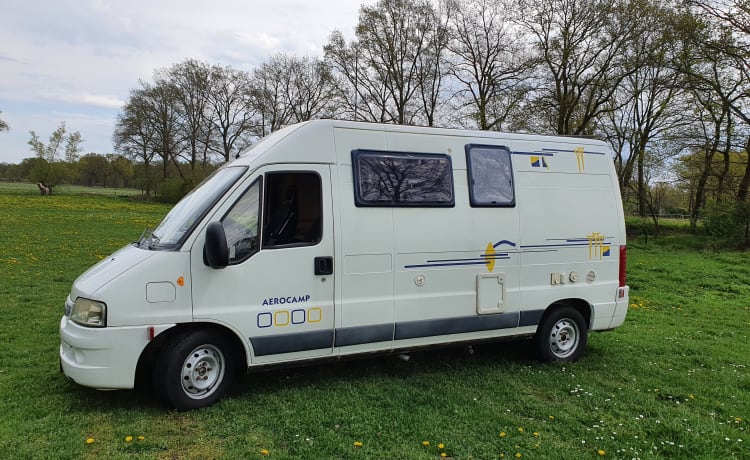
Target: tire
562	336
194	370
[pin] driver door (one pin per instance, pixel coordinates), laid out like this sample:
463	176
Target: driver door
277	291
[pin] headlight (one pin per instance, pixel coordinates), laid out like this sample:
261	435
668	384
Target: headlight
89	313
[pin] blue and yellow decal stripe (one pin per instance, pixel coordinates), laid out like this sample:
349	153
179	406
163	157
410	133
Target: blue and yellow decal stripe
599	246
575	150
482	260
537	158
487	259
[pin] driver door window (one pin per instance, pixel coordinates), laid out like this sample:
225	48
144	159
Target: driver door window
292	214
292	209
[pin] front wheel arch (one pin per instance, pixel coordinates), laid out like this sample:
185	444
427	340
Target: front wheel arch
149	362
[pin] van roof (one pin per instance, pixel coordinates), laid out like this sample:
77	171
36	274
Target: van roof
320	133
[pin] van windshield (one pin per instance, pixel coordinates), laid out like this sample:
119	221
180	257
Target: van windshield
179	222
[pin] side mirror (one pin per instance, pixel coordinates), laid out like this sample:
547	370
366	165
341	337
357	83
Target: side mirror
216	251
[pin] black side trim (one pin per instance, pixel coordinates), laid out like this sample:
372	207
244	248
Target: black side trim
288	343
445	326
530	318
364	334
316	340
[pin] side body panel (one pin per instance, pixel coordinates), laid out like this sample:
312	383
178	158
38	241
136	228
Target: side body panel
571	226
364	248
446	257
465	273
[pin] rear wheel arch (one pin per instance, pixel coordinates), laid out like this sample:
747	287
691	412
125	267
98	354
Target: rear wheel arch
562	333
583	307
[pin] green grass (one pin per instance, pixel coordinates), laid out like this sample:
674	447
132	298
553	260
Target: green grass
673	382
27	188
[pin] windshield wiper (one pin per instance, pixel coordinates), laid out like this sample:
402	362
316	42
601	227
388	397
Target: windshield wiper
147	239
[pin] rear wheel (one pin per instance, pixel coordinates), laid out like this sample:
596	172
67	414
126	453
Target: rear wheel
562	336
195	370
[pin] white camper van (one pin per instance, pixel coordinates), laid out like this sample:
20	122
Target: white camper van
331	238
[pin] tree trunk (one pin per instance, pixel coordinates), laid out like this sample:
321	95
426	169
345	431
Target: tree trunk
641	183
745	183
700	191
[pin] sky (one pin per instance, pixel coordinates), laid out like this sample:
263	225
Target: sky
75	61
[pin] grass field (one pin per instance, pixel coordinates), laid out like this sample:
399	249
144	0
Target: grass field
26	188
673	382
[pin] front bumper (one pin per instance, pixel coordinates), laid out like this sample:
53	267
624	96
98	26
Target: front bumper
103	358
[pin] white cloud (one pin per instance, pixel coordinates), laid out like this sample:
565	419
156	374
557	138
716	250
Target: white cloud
80	58
96	100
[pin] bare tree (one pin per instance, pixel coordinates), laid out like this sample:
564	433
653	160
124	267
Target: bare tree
732	41
384	71
488	61
162	106
135	132
289	89
310	89
232	114
580	48
711	122
715	62
433	65
733	13
646	107
269	97
361	96
190	83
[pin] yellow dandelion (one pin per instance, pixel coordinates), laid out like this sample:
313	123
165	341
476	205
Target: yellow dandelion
441	446
520	429
443	454
518	455
503	434
551	417
141	438
358	444
128	438
265	452
425	443
89	440
536	434
502	455
601	452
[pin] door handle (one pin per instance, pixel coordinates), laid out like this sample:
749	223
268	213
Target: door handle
324	265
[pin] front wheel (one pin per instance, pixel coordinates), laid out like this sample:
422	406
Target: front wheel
195	370
562	336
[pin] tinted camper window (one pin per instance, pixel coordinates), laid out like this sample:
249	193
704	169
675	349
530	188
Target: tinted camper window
490	176
402	179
